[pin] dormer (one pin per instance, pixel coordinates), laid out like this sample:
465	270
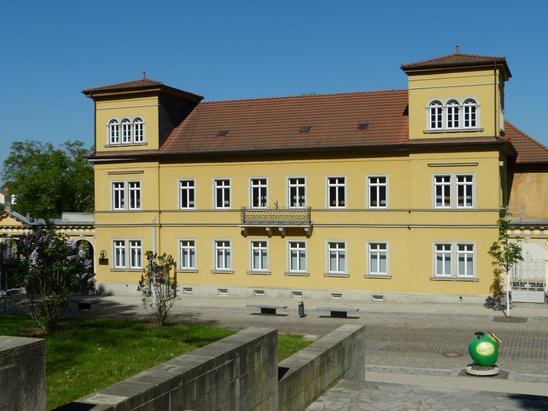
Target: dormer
138	115
455	96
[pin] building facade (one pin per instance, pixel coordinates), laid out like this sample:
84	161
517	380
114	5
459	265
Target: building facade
385	194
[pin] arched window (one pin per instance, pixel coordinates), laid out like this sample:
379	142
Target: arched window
470	113
436	115
453	114
138	130
114	132
126	131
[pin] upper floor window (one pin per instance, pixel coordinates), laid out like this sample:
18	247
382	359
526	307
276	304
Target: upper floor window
296	192
126	195
221	193
259	193
377	189
336	190
132	131
187	194
454	191
452	115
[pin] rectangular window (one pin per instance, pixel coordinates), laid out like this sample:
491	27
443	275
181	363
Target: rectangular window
378	258
187	254
297	256
119	252
454	260
222	193
335	192
259	193
223	260
259	256
296	192
187	194
135	254
377	192
134	188
336	257
454	191
118	195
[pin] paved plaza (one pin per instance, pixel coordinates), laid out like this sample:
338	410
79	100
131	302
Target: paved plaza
415	353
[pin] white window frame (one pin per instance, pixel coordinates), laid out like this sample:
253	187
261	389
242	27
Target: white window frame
222	253
220	193
113	131
455	182
126	195
258	256
376	187
187	193
127	254
258	192
138	130
452	110
296	192
458	258
435	115
339	251
118	193
134	195
375	251
126	126
470	113
339	189
299	250
187	254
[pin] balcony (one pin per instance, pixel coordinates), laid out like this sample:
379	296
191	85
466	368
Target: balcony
276	219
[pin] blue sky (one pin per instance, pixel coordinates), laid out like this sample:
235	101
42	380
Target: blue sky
235	49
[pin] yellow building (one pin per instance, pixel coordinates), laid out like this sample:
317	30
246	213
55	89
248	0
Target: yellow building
343	196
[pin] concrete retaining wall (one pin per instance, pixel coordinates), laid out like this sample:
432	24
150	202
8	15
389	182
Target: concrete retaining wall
309	373
22	374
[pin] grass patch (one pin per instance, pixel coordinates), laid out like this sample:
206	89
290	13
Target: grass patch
90	354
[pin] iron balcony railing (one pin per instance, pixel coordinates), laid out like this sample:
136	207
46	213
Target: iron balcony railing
276	216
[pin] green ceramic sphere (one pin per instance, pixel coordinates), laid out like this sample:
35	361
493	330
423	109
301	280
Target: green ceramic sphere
484	349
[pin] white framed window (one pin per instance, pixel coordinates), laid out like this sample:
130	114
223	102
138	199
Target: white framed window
454	259
223	255
126	131
138	130
187	194
336	257
259	256
454	191
114	132
378	258
470	113
436	115
187	254
378	191
259	193
221	188
296	256
453	111
336	192
296	192
128	254
126	195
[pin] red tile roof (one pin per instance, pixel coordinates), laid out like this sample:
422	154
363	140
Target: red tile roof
529	150
457	60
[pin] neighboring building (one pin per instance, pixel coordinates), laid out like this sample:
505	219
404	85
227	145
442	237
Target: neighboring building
386	193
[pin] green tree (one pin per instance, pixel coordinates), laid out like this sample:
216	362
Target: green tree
52	269
158	287
505	254
46	180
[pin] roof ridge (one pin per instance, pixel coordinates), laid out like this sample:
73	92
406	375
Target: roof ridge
524	134
474	56
305	96
148	80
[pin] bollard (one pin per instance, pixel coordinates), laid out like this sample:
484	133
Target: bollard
301	309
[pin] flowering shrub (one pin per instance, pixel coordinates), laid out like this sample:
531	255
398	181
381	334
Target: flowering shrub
51	268
158	288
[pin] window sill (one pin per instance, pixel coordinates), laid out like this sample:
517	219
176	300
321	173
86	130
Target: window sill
464	279
259	273
342	275
222	271
378	276
188	270
125	145
297	274
126	270
453	130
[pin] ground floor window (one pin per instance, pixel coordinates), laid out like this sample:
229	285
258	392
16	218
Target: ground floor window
259	256
297	256
187	255
223	255
127	254
454	260
378	258
336	257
